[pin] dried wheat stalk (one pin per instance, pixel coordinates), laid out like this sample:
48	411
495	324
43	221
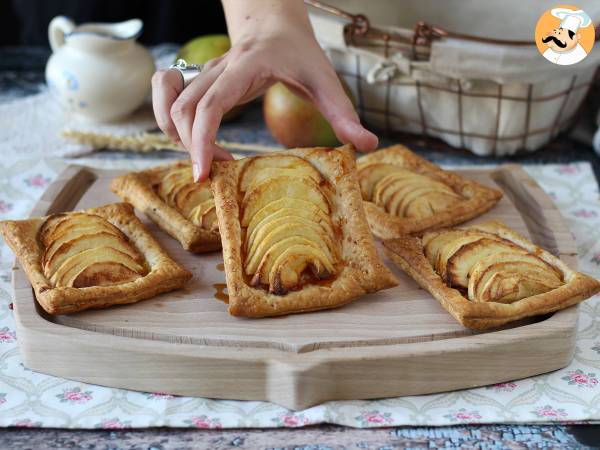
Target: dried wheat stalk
149	142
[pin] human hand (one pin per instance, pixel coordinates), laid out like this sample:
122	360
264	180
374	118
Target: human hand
275	45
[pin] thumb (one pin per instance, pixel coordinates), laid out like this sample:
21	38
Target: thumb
336	107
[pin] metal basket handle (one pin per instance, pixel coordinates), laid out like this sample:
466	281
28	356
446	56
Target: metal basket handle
423	33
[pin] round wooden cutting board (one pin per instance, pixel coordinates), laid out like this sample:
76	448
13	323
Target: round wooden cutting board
392	343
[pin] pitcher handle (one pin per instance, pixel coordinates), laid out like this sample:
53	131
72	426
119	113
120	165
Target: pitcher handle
58	28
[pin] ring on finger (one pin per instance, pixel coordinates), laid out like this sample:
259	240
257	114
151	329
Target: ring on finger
188	71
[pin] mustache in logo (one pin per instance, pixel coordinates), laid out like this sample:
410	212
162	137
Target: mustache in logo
556	41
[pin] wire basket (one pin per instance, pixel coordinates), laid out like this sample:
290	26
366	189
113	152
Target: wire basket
490	96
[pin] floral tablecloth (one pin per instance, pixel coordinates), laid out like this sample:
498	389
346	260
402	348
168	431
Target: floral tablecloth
568	395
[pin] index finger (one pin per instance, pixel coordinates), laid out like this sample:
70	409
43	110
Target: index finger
223	95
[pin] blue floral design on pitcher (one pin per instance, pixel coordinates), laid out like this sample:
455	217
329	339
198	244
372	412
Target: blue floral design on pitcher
70	80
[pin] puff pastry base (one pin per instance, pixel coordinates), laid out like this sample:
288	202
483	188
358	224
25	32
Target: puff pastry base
478	198
165	274
137	188
362	270
407	253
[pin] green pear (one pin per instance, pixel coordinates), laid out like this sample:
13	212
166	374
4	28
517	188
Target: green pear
296	122
204	48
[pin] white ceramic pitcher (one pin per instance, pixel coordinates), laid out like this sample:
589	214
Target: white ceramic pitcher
97	70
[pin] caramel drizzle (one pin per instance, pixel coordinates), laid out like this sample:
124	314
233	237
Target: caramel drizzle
220	293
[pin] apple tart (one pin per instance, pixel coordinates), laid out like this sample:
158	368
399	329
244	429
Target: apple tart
406	194
91	259
294	233
169	196
487	275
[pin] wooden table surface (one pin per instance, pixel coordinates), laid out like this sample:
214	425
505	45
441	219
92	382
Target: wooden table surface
21	72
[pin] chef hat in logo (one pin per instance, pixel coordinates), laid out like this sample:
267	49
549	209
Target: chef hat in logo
572	20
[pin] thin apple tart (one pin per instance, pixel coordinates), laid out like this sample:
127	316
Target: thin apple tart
407	194
487	275
91	259
169	196
294	233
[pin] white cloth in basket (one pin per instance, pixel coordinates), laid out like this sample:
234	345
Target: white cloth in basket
489	98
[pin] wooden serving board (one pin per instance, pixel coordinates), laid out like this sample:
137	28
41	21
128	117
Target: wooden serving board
392	343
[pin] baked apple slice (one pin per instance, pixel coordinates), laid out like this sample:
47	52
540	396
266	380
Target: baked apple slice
280	187
191	195
199	211
407	190
312	214
260	169
280	231
104	274
285	203
485	269
193	200
386	187
415	193
289	266
372	174
86	241
61	224
459	266
434	242
450	248
72	231
50	227
66	274
271	172
209	219
301	245
430	204
395	196
173	182
507	286
183	193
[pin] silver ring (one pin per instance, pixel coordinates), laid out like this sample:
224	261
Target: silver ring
188	71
